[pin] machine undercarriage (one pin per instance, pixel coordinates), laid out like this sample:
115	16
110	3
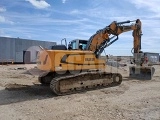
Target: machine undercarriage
69	84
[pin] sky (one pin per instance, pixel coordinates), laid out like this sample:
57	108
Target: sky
53	20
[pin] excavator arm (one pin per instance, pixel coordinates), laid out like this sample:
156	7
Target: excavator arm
108	35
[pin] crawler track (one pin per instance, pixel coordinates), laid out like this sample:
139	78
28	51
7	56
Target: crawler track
84	81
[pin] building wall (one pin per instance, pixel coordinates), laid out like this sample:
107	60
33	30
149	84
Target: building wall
13	48
7	49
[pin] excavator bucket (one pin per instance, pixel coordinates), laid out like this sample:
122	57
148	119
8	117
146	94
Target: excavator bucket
141	73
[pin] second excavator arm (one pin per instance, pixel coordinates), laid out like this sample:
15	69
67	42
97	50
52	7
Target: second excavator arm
108	35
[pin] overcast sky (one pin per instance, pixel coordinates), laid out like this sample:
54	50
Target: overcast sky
53	20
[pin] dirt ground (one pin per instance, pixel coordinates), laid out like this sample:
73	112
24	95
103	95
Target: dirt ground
23	98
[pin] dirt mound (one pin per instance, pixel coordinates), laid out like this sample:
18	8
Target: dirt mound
33	71
15	86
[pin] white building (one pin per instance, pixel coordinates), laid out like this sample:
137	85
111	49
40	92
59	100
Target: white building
21	50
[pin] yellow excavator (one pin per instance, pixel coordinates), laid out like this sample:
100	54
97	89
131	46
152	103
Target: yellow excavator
79	67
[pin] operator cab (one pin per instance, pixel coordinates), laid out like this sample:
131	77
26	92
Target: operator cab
77	44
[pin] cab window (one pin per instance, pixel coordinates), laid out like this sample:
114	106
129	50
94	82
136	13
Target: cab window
73	45
83	43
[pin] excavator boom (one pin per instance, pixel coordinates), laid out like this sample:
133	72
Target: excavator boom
108	35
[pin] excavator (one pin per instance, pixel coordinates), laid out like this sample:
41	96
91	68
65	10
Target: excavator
79	67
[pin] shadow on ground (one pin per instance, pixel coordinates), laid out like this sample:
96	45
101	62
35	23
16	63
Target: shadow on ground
138	79
14	94
128	79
